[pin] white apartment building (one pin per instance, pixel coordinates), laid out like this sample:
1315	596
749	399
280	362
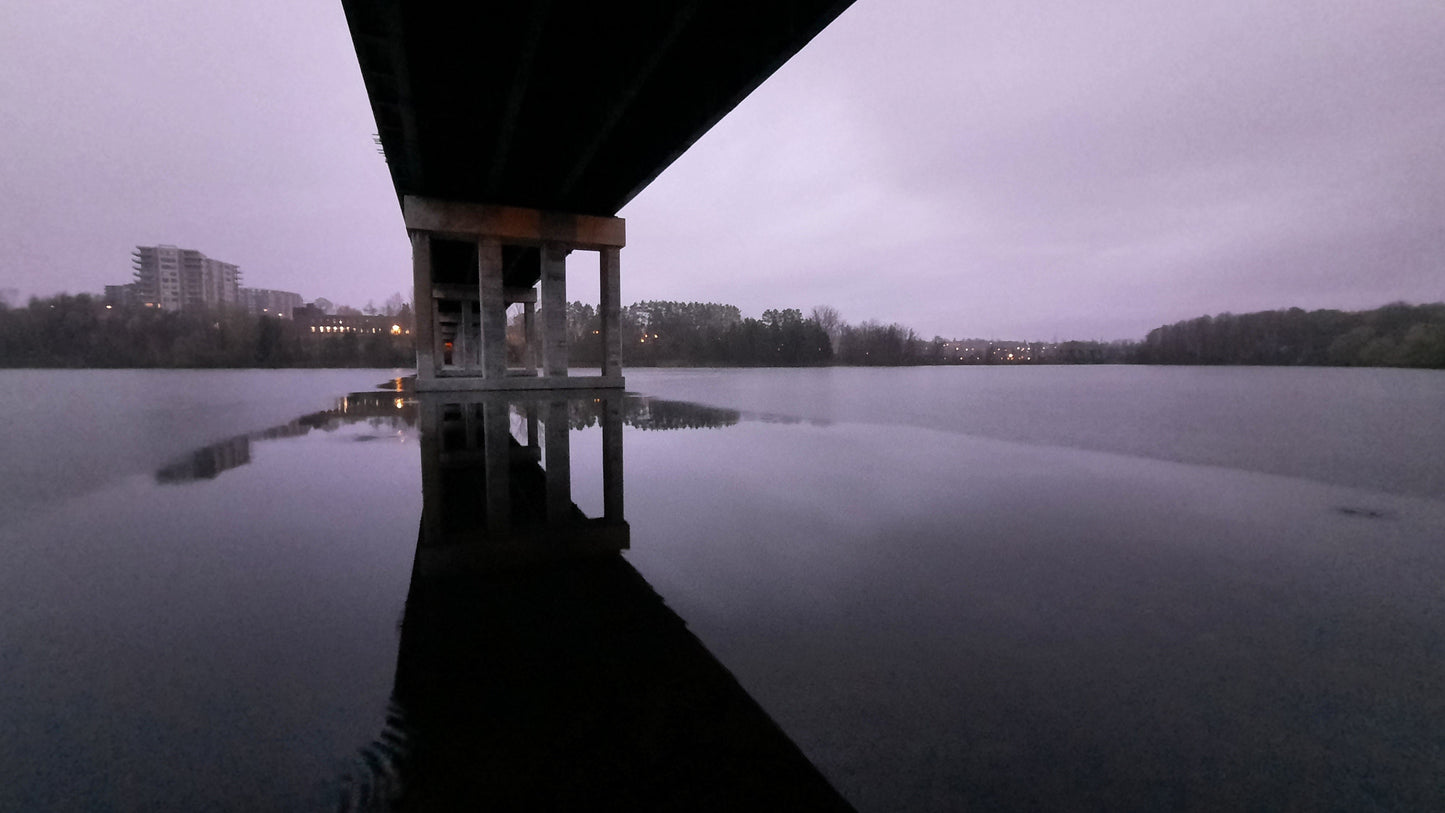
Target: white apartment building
174	278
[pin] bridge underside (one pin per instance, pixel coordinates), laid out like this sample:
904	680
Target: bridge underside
565	108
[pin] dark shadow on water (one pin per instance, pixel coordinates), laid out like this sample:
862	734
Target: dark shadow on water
537	669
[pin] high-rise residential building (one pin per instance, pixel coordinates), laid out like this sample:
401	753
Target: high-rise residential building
174	278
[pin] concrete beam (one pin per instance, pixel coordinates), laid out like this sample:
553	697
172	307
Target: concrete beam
459	385
512	225
466	293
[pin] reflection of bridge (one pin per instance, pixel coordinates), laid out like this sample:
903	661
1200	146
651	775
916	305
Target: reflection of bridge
396	412
538	670
515	131
485	494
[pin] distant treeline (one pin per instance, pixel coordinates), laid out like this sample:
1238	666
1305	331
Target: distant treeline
1396	335
700	333
81	331
708	333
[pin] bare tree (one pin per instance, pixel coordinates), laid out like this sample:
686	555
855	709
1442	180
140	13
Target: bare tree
830	321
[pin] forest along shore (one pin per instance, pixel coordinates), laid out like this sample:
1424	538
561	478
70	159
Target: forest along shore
82	331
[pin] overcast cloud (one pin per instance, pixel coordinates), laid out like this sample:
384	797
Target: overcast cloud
1005	169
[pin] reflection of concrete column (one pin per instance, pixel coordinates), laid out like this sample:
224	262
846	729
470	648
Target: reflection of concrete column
612	458
558	463
529	336
610	270
496	443
424	329
554	310
493	308
531	410
429	420
471	426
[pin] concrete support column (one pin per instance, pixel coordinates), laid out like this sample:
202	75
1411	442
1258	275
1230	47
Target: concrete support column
558	463
493	308
424	313
612	458
497	446
462	341
554	310
529	337
438	344
610	269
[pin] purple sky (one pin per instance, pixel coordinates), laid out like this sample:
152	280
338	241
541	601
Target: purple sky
994	168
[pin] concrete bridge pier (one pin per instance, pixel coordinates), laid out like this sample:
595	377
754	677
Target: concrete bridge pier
461	328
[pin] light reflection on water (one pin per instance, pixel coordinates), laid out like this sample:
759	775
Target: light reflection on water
936	620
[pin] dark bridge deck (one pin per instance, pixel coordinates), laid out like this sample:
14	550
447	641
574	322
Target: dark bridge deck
571	105
520	129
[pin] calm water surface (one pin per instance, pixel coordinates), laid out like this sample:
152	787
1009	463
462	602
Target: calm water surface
1060	588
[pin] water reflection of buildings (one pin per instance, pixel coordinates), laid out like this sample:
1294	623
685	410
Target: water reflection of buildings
208	462
383	409
537	669
394	408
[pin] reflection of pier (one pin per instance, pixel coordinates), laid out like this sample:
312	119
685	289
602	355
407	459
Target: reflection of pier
537	669
489	495
389	408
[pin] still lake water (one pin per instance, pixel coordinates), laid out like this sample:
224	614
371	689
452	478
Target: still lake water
1059	588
